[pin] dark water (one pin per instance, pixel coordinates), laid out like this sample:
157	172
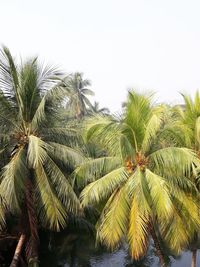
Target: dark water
67	251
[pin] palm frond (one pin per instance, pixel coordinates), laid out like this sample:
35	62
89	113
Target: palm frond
104	187
138	231
36	151
50	210
93	169
62	187
173	161
113	223
13	178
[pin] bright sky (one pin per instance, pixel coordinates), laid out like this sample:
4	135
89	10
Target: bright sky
118	44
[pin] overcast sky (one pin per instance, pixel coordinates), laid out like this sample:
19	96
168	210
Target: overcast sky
118	44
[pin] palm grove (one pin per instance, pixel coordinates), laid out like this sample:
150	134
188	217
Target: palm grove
61	155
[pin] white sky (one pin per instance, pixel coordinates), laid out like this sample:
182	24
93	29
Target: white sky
118	44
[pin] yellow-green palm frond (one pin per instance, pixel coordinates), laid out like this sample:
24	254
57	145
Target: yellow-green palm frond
138	231
138	188
103	187
113	223
160	195
153	126
93	169
3	210
106	131
12	179
50	210
36	153
173	161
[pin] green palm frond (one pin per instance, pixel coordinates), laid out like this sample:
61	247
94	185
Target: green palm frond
93	169
62	187
50	210
104	187
173	161
13	179
68	155
152	128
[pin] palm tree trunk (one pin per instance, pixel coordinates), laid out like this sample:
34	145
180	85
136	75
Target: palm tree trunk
33	242
157	247
194	258
18	250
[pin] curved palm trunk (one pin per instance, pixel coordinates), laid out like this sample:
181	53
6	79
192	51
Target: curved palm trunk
158	248
194	258
18	250
33	241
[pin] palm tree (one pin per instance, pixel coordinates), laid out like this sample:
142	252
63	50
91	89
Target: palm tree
138	181
32	182
185	129
97	110
78	92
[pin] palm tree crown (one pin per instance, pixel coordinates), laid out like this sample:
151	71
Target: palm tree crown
140	179
78	92
32	183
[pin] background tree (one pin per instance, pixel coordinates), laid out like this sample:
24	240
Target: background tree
78	93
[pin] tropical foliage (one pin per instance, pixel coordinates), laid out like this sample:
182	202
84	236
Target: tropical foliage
33	185
67	163
143	181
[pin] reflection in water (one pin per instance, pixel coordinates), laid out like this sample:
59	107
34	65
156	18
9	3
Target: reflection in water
71	250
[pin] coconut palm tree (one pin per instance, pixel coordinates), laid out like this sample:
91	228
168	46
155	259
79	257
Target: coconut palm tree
97	110
32	183
142	183
78	94
185	130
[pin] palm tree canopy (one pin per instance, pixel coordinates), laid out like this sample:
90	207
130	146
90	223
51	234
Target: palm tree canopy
141	178
30	99
78	94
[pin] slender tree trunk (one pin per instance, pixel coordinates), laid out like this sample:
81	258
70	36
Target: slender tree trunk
33	241
18	250
194	258
157	247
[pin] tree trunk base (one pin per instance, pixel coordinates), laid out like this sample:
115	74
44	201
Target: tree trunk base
16	257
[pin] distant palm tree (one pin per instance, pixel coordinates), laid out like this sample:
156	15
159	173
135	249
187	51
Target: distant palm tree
140	182
78	91
96	109
32	183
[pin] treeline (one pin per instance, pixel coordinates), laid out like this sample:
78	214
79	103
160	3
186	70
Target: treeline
64	158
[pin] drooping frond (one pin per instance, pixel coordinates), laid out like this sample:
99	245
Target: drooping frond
138	231
36	151
93	169
178	230
160	195
113	223
62	187
104	187
50	210
13	178
67	155
173	161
